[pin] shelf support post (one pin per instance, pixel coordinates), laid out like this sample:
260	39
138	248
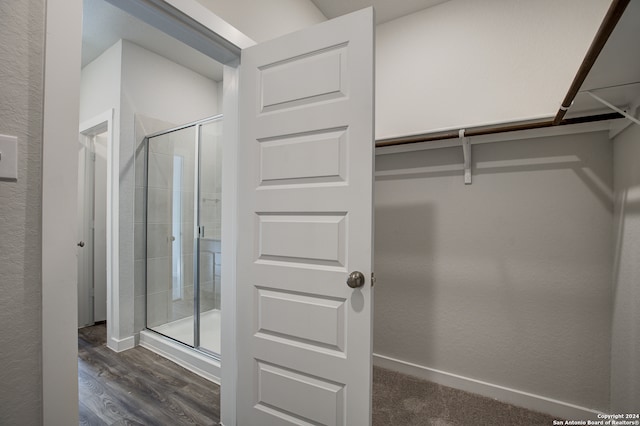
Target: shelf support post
466	151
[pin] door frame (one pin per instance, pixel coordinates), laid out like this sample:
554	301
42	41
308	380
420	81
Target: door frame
195	25
99	124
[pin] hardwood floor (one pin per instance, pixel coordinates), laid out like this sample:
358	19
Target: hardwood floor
139	387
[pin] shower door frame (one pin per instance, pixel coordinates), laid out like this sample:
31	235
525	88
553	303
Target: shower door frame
198	231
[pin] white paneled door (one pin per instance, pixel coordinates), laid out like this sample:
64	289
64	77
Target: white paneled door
305	206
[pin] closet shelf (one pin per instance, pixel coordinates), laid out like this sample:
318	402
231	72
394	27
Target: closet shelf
609	23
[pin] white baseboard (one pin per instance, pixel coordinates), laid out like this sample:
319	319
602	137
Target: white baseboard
559	409
190	359
120	345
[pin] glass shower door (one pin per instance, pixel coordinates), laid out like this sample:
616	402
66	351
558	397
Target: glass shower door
171	233
210	205
184	200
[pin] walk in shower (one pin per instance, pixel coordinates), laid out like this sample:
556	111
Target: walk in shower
183	227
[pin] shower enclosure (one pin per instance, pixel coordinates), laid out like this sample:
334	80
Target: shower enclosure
183	226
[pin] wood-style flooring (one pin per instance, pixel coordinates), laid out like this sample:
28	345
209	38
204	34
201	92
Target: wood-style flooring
139	387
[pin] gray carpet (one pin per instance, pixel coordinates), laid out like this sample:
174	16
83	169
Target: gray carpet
401	400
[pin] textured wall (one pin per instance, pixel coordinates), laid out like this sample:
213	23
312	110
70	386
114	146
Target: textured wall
506	280
625	341
21	74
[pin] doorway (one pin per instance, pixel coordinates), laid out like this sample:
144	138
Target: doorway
92	244
59	364
216	44
93	211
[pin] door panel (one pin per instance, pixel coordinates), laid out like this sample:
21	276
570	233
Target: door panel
291	392
306	152
85	242
100	228
281	85
313	158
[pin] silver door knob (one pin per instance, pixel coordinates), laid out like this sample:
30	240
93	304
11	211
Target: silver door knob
81	244
356	279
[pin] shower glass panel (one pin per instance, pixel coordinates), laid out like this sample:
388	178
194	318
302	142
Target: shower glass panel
183	218
210	221
170	233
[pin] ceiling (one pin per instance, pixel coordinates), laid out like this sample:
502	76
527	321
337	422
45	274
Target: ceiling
386	10
617	65
103	25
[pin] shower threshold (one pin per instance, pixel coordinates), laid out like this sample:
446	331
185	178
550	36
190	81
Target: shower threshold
195	360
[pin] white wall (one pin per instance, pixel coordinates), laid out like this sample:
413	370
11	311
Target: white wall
100	86
264	20
507	280
467	63
625	343
21	97
155	86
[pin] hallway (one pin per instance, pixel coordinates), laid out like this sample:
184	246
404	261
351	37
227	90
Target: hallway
139	387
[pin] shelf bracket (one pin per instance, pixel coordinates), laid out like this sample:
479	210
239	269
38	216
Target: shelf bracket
466	151
613	107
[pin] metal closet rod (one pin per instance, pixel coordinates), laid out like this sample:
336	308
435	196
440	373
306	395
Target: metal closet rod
616	9
454	134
